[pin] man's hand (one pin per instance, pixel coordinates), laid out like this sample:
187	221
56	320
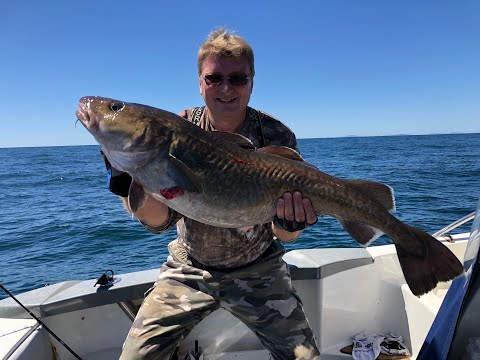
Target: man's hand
153	212
294	213
118	182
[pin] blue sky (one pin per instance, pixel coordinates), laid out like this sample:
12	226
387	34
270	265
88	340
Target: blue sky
326	68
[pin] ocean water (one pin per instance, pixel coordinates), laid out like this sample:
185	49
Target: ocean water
59	222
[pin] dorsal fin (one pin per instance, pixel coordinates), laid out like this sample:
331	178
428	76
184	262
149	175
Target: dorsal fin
380	192
283	151
238	139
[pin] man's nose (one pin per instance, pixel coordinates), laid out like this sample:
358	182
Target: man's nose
225	86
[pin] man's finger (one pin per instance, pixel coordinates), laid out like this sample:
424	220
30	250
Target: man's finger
289	212
298	207
281	208
310	215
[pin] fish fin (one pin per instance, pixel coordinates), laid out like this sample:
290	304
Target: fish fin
184	175
238	139
364	234
283	151
287	153
437	264
124	160
136	196
382	193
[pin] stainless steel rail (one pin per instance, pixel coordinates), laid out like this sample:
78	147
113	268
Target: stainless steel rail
454	225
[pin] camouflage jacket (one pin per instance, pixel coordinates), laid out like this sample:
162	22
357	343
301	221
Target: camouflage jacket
224	248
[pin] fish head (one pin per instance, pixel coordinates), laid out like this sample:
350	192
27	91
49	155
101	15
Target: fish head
124	130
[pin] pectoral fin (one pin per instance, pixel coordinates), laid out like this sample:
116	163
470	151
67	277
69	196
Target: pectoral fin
184	176
362	233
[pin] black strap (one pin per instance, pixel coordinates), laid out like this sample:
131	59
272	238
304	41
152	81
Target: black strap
261	137
197	114
257	116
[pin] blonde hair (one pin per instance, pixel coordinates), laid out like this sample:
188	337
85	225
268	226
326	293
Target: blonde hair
224	42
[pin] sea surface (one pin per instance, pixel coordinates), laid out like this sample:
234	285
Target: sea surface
59	222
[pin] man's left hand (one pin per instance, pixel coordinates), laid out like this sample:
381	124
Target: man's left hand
294	213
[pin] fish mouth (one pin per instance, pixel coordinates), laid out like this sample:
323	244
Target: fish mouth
86	115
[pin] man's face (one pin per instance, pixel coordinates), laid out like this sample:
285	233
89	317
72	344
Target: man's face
225	99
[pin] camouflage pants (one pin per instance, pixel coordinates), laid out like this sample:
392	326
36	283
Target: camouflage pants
261	295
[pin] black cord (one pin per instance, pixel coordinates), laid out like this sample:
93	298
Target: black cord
40	322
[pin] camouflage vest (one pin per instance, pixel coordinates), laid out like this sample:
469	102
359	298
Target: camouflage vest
228	248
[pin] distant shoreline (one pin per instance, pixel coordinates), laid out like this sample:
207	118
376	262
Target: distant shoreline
394	135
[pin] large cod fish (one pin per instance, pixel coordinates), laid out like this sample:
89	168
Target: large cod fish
220	179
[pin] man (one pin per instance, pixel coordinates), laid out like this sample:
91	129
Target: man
240	270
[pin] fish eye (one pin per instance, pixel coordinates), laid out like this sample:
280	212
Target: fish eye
115	106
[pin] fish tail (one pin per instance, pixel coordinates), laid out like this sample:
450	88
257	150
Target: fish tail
424	272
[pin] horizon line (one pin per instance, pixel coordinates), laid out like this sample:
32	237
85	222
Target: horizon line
303	138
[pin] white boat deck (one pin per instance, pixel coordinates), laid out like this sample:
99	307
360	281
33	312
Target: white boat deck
345	291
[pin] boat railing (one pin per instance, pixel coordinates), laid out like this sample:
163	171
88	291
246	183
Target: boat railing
444	232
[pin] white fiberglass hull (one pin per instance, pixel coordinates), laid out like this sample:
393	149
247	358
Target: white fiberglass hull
344	291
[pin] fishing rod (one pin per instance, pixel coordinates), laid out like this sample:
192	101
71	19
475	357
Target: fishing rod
40	322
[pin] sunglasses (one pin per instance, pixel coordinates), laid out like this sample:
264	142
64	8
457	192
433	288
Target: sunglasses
234	80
